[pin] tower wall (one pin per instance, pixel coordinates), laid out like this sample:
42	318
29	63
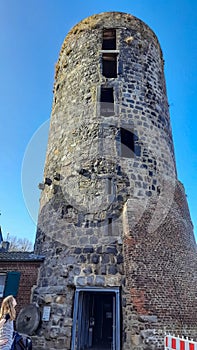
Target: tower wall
161	274
112	212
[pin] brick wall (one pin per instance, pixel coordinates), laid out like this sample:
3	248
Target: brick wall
161	274
28	279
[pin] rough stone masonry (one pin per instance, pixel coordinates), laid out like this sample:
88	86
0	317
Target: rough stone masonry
114	224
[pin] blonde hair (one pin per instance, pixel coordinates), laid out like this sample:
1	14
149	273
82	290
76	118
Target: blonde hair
8	308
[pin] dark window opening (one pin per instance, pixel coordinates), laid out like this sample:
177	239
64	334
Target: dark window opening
127	143
109	185
87	223
109	39
110	65
12	283
110	226
107	102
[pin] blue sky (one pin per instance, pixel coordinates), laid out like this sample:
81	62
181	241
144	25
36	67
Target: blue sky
31	35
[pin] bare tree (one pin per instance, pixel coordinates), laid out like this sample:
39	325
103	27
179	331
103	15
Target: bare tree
19	244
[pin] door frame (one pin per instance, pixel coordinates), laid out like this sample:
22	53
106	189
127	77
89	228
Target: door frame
116	331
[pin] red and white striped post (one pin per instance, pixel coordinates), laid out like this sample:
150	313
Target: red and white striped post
176	343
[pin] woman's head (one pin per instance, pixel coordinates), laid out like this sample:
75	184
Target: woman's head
8	307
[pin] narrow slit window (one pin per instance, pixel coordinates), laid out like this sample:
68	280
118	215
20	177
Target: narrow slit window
87	223
109	61
127	143
109	39
110	226
109	185
107	102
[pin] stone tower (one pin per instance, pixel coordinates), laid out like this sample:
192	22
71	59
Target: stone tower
114	224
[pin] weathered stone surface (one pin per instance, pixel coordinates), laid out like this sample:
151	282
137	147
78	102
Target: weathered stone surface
149	319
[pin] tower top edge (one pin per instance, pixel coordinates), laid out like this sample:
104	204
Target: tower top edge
108	20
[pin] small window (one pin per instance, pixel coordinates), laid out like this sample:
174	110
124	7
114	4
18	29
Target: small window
109	185
87	223
128	149
12	283
109	61
2	283
109	39
110	226
107	102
